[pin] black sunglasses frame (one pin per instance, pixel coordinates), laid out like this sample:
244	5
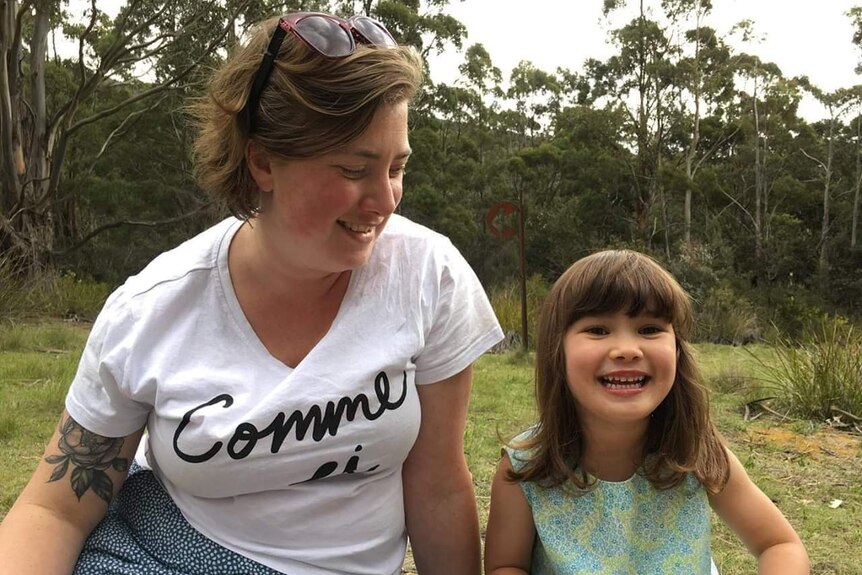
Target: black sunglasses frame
288	23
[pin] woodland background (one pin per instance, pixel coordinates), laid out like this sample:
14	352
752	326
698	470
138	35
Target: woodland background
677	144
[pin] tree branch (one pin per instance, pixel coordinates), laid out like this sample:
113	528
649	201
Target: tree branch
713	149
812	158
118	224
82	68
736	202
120	130
165	85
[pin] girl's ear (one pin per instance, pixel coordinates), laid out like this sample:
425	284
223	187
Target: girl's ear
259	165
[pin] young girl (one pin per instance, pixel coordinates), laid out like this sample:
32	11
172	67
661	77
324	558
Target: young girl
619	472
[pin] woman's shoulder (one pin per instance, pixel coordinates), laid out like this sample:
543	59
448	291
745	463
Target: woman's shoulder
404	234
419	250
200	252
171	272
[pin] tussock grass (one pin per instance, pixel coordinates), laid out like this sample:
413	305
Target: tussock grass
506	301
823	372
726	317
49	295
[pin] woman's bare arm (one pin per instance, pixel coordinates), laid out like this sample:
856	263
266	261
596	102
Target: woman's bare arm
67	496
439	502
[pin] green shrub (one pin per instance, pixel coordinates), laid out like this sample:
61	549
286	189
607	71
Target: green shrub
506	301
729	379
787	311
726	317
824	370
49	295
72	297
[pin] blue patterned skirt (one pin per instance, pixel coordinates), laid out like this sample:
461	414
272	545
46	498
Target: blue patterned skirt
144	533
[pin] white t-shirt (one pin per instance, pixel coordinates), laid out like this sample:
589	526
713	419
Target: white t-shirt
296	468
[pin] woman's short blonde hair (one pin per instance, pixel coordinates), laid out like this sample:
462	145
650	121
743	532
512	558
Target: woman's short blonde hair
311	105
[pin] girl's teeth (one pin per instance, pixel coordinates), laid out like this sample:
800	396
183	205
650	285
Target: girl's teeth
623	386
623	382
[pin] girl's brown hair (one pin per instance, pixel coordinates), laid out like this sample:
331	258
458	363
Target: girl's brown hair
681	437
311	105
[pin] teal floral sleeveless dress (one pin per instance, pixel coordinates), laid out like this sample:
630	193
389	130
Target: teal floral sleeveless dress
619	528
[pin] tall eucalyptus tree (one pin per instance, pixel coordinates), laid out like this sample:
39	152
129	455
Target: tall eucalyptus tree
111	51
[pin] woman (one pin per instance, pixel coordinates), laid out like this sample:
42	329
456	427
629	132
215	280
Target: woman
302	369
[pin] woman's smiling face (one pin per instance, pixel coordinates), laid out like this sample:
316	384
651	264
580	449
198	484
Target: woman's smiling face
323	215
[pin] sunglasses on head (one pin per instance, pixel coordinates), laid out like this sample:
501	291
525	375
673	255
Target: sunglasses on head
329	36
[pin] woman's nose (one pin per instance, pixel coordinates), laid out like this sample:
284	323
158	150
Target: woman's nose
382	196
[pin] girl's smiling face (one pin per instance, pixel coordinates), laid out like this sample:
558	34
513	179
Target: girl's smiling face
619	368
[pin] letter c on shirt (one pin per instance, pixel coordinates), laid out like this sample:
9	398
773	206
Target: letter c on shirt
223	398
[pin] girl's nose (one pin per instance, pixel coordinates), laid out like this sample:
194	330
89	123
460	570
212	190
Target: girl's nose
625	348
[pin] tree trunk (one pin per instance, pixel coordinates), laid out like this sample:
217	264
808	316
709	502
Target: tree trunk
823	262
759	186
854	226
695	136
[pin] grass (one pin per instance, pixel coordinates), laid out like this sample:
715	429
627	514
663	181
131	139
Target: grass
825	372
802	465
37	362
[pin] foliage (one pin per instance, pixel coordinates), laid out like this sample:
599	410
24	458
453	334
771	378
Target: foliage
823	372
726	317
786	311
679	144
506	301
50	295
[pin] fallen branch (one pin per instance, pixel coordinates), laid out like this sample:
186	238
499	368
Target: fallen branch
837	409
762	399
761	405
775	413
748	416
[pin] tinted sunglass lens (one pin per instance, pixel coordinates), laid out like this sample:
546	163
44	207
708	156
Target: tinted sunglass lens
325	36
372	31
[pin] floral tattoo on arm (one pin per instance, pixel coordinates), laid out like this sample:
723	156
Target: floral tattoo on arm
89	455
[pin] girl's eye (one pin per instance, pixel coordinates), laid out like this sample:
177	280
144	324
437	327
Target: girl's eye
651	330
596	330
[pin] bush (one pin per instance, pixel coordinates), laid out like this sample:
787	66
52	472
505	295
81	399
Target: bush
726	317
506	301
71	297
62	296
14	291
788	311
823	371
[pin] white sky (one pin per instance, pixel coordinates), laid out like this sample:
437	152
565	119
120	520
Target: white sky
804	37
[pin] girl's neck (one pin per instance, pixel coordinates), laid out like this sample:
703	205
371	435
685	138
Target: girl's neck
611	453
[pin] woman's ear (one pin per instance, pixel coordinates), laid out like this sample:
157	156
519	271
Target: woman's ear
259	165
